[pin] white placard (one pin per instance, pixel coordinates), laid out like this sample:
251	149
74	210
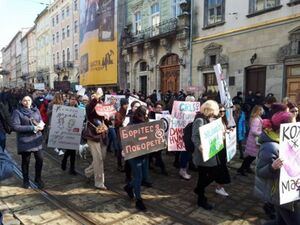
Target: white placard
78	87
39	86
66	127
81	92
230	137
289	152
100	92
117	97
132	99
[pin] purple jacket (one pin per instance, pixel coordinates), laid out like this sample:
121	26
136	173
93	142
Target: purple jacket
254	132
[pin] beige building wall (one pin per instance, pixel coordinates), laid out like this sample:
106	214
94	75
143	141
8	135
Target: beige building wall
32	53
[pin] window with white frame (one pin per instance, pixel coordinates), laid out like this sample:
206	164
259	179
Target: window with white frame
57	19
63	57
53	21
68	11
57	37
76	52
261	5
176	10
75	26
62	14
53	38
214	12
57	57
53	58
68	31
155	18
137	22
63	33
68	55
75	5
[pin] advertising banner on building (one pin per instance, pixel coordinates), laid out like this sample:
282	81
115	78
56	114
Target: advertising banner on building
143	138
289	152
66	127
98	42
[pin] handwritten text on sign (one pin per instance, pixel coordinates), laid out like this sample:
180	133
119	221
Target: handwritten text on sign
105	110
141	139
289	151
66	127
182	113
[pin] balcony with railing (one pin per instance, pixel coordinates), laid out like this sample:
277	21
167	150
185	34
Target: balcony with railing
164	28
63	67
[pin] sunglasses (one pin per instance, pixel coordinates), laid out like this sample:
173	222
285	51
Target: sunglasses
222	111
294	111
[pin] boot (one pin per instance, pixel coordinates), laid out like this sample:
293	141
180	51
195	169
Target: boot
129	191
140	205
202	202
64	164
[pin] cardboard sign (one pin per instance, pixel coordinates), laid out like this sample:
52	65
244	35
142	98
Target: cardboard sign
62	86
118	98
142	139
289	152
39	86
166	118
230	137
132	99
182	114
105	110
81	92
66	127
211	136
78	87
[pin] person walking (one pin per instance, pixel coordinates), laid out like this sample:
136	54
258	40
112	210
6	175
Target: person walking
27	122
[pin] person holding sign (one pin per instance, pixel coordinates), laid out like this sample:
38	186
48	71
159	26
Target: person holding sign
96	141
27	122
139	165
209	170
268	171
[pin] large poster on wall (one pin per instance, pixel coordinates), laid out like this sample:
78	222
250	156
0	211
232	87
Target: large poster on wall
98	42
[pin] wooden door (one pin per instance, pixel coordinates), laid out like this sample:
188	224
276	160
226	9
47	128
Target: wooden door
256	80
293	83
170	74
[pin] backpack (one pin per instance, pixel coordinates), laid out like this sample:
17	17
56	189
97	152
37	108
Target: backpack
187	137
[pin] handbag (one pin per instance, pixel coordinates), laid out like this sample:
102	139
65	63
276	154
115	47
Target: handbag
99	129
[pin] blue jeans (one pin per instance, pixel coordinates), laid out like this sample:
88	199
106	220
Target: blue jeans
139	167
2	139
1	218
184	158
112	136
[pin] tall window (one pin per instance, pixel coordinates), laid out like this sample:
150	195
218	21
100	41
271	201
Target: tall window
53	57
137	20
68	54
68	31
75	5
75	26
57	57
155	18
76	52
53	21
62	14
68	11
63	33
63	57
57	20
176	8
261	5
53	38
214	11
57	37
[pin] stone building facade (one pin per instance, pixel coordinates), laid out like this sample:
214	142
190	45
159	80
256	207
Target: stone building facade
257	42
156	45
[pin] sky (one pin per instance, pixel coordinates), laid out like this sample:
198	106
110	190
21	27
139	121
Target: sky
17	14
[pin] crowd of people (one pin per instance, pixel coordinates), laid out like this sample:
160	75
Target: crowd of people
257	120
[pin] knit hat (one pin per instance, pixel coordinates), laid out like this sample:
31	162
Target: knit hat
124	101
85	97
280	118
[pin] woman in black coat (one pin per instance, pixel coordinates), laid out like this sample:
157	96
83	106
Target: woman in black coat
27	122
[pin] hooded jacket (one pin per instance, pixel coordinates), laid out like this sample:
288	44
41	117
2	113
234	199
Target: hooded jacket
23	120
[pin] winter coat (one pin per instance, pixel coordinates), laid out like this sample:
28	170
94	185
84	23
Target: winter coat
241	128
266	179
23	121
254	132
197	155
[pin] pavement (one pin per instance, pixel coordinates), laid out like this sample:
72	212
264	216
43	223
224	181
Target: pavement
68	199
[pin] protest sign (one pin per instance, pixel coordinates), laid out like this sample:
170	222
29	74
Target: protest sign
81	92
166	118
224	94
106	110
100	92
143	138
108	100
182	114
39	86
78	87
132	99
66	127
289	152
62	85
211	136
230	137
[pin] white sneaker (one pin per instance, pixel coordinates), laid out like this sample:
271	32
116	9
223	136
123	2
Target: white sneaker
184	174
56	150
60	152
222	192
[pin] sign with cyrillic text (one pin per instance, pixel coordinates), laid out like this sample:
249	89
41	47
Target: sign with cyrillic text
143	138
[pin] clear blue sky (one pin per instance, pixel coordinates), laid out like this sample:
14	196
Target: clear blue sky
17	14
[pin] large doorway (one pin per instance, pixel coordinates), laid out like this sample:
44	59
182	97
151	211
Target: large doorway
143	85
293	83
256	80
170	71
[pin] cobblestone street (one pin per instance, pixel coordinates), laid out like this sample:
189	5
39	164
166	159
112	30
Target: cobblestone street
70	199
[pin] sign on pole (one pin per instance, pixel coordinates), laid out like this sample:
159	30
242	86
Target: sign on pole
66	127
108	100
289	152
230	137
143	138
182	114
211	136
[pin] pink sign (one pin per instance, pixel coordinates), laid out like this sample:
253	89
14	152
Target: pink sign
106	110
